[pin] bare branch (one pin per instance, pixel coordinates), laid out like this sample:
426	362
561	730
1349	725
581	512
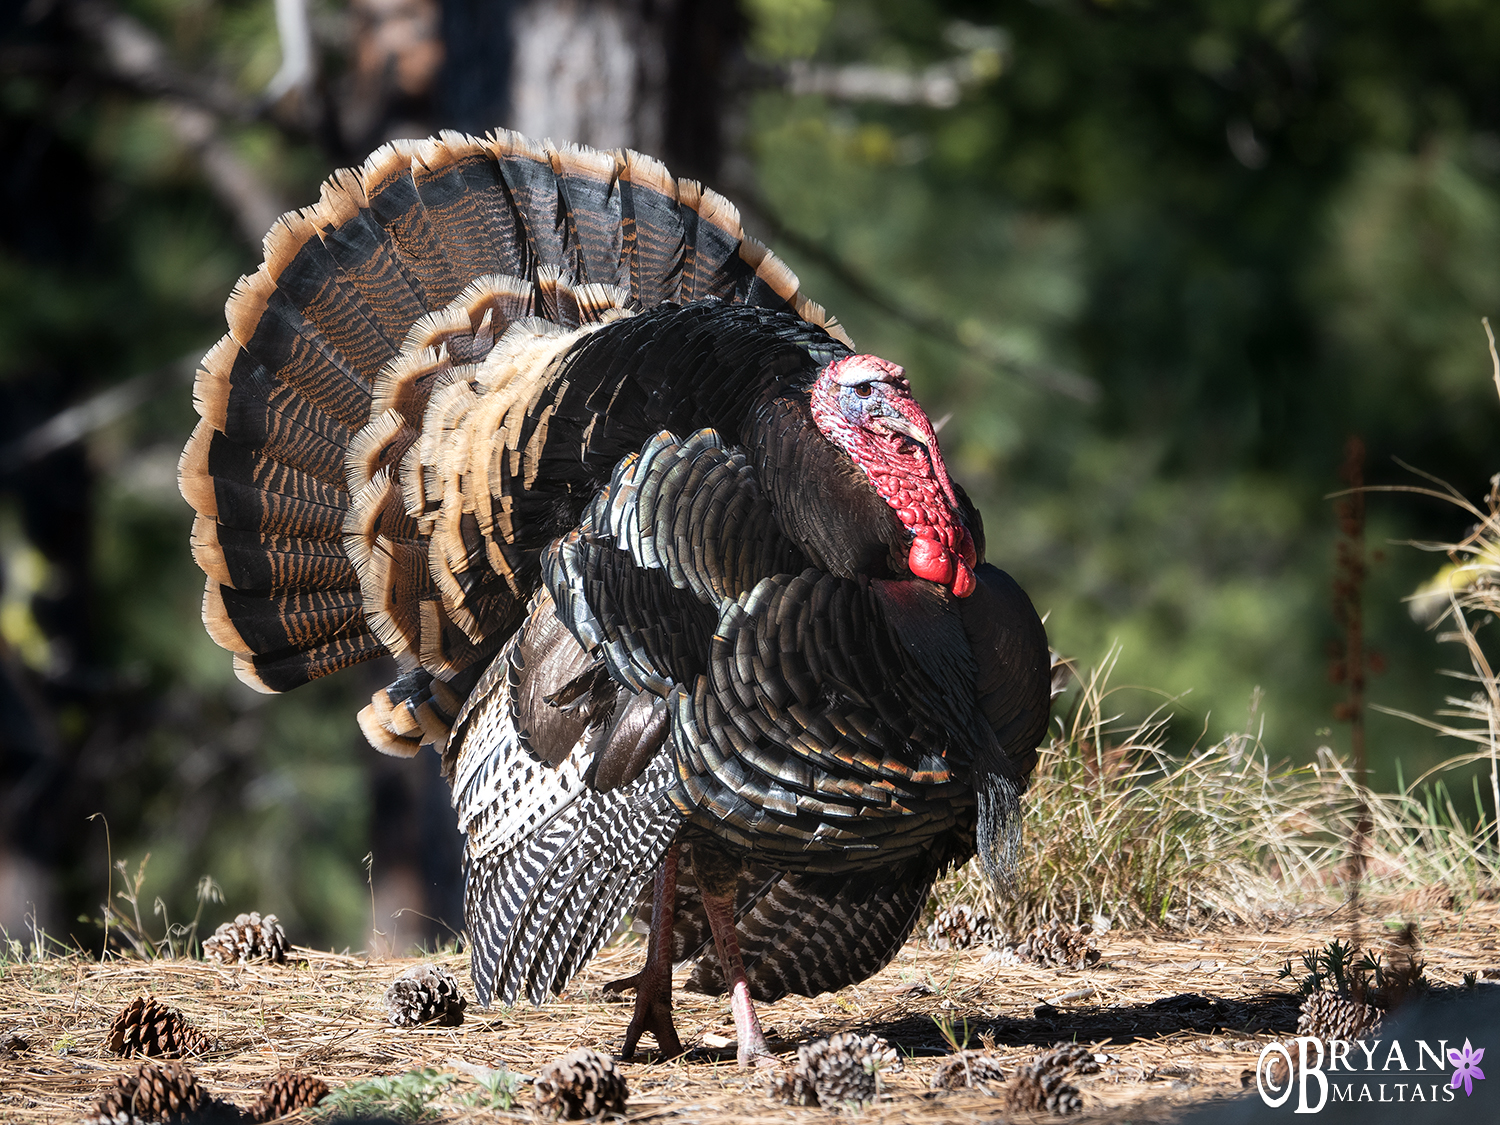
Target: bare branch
940	86
298	62
95	412
1494	358
136	58
239	187
937	86
196	110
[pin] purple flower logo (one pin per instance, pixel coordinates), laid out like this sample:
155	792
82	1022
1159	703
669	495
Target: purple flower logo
1467	1069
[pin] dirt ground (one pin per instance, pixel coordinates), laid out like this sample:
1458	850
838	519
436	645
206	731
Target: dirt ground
1180	1015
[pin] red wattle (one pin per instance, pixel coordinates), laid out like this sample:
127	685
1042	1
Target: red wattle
929	559
966	552
963	581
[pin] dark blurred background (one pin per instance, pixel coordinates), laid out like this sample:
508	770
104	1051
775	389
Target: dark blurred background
1159	260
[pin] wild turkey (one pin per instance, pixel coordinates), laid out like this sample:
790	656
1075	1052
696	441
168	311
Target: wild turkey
678	583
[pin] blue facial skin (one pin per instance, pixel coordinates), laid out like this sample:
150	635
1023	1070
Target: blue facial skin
868	405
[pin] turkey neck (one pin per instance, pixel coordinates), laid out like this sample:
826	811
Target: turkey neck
824	502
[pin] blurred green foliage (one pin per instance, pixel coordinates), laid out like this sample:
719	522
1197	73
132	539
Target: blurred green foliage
117	266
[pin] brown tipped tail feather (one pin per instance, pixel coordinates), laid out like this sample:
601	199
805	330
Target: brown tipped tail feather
323	533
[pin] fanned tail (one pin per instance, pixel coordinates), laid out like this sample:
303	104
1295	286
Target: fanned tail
303	469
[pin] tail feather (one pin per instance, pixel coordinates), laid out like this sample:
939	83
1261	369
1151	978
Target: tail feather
272	331
589	206
415	711
404	277
254	561
527	171
466	201
396	204
258	494
367	258
306	273
652	233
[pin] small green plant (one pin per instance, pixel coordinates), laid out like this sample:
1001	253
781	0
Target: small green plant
1330	969
1308	984
404	1097
951	1033
1342	969
500	1089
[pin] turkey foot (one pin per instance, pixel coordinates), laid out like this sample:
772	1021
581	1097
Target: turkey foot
653	984
752	1041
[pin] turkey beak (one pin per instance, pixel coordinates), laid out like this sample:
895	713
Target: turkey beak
998	834
894	423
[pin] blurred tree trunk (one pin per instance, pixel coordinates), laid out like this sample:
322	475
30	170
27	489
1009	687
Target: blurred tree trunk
646	75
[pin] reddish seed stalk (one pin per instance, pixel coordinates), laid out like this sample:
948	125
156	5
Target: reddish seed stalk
1348	607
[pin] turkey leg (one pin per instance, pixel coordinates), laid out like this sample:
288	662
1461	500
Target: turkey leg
720	910
653	984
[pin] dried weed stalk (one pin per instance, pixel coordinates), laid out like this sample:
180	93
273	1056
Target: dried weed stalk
1465	595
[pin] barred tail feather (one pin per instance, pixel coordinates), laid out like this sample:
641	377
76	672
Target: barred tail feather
407	269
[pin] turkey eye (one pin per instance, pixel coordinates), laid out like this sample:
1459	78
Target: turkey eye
863	390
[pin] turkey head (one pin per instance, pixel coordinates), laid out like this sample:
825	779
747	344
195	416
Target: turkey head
864	405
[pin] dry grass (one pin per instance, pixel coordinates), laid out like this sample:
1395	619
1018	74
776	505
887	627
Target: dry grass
1461	600
1118	829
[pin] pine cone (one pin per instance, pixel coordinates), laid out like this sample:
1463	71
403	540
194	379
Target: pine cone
968	1068
1040	1085
1035	1089
1067	947
1328	1015
154	1092
582	1083
837	1071
248	938
146	1026
286	1093
960	927
425	994
1068	1058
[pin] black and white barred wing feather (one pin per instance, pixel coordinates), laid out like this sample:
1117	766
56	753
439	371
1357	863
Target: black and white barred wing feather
554	862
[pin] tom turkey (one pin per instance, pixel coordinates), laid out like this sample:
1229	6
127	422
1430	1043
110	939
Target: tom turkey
679	585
